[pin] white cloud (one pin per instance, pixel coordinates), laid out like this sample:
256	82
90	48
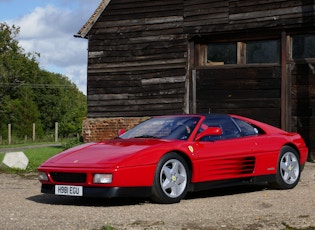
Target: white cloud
49	31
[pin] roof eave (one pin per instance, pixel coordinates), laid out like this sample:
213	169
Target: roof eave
83	32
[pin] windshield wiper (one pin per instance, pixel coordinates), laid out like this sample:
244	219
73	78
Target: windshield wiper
145	136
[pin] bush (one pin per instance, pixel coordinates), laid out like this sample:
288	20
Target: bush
73	142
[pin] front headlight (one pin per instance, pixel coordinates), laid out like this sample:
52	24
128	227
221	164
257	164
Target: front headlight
42	176
102	178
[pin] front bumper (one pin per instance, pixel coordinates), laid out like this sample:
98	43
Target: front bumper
106	192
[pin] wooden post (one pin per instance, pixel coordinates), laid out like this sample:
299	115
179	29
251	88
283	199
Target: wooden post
0	140
9	134
56	131
194	93
285	86
34	131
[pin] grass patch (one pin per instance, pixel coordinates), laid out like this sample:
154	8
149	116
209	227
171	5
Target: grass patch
35	156
108	227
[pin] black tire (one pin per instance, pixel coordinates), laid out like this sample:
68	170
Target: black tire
171	179
288	169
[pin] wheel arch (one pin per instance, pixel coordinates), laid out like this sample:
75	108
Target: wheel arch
186	158
190	166
294	147
297	151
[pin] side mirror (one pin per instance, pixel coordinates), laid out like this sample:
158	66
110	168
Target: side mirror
211	131
121	132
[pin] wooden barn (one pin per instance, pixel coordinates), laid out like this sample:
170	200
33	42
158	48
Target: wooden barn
252	58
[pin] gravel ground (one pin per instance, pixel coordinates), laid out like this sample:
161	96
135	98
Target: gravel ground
24	207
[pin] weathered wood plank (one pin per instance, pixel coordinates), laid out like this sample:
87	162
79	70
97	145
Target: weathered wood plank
140	91
136	56
250	6
271	12
133	66
147	101
246	14
152	23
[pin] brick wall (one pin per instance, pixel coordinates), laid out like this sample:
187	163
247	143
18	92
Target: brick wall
98	129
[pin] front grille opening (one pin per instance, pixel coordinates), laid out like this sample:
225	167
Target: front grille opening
68	177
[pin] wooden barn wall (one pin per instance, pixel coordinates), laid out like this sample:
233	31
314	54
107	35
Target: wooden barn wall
249	91
303	102
137	59
203	16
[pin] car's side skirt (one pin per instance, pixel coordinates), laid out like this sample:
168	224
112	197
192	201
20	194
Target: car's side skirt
231	182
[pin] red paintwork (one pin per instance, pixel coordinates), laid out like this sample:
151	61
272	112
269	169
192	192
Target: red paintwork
133	161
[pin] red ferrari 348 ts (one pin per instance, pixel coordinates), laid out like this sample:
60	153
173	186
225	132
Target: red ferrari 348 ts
167	156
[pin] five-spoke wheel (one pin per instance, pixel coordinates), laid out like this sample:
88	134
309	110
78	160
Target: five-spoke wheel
171	180
288	171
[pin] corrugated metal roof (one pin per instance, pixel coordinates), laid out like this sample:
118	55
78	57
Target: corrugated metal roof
88	25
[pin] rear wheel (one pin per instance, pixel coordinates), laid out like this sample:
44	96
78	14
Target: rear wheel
171	180
288	170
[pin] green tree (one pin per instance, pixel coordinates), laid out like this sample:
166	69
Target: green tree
60	101
15	66
30	95
22	113
16	104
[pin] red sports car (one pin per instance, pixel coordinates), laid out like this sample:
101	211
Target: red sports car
167	156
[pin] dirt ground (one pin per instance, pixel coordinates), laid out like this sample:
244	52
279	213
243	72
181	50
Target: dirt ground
248	207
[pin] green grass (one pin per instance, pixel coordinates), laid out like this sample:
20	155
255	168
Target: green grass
108	227
35	156
38	156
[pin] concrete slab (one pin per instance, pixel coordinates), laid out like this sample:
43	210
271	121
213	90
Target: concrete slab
15	160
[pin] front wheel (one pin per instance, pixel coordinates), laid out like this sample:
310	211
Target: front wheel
288	170
171	180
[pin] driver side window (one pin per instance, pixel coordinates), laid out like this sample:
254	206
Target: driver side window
229	129
246	128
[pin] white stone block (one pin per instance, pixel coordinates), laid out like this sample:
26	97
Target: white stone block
15	160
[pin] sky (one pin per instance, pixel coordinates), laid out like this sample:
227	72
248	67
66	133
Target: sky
47	27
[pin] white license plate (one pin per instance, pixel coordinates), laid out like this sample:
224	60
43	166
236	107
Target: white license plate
68	190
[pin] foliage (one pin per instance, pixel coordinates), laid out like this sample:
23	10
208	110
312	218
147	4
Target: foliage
73	142
30	95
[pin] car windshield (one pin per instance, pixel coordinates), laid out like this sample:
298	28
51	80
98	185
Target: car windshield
171	127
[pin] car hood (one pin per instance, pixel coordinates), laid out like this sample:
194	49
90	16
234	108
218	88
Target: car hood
107	153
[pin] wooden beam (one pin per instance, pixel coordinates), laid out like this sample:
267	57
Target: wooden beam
194	93
190	66
241	53
285	85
